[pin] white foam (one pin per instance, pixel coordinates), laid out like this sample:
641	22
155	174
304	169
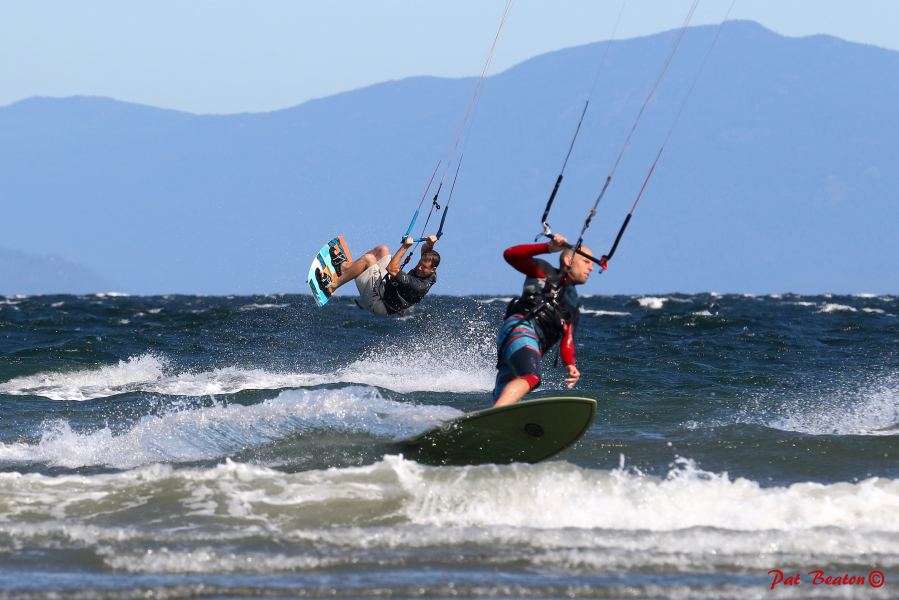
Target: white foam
452	366
254	306
620	500
111	295
876	311
212	560
803	303
831	308
503	299
128	375
191	434
863	408
689	511
604	313
230	380
702	313
652	302
242	518
864	295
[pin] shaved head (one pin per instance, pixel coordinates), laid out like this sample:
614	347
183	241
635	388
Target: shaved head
578	267
567	253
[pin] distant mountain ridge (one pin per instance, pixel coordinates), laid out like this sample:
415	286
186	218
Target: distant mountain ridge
23	273
780	176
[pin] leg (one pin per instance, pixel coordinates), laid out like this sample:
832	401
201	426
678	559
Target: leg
519	368
513	391
359	265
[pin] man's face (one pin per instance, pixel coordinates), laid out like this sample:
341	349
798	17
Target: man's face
580	267
424	268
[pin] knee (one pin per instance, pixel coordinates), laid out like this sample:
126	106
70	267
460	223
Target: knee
381	251
368	259
532	380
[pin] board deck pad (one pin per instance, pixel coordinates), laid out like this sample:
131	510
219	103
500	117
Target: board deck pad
528	431
327	265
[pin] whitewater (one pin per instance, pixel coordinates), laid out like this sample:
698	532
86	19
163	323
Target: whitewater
247	446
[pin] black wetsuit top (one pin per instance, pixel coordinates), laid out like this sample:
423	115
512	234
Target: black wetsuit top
547	303
405	289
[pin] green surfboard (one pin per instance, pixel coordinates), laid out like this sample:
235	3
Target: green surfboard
528	431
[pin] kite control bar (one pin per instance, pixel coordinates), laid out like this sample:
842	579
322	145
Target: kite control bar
602	261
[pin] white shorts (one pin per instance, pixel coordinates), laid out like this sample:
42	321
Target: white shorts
370	284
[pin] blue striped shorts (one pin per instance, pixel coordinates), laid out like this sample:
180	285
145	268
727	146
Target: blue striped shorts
518	353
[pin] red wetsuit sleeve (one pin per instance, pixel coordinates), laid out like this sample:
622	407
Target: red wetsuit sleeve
522	258
566	347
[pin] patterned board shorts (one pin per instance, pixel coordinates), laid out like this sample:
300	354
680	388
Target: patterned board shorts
518	349
370	284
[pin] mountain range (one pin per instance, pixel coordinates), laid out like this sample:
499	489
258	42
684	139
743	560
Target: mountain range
779	176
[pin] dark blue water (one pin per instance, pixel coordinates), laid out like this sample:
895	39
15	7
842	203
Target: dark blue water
235	447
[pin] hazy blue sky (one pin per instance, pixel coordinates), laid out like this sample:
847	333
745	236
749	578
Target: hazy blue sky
224	56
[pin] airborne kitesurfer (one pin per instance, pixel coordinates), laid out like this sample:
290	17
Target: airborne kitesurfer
546	312
384	288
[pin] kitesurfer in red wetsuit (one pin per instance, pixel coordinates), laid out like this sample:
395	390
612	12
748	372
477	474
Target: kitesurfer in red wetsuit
546	312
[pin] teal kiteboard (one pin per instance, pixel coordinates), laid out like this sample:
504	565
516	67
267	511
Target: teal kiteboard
528	432
327	265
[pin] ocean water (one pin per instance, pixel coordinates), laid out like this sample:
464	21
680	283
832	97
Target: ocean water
182	446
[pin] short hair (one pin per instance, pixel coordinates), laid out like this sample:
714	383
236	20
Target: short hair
431	256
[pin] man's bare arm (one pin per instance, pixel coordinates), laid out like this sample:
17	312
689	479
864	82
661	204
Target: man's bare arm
394	266
429	244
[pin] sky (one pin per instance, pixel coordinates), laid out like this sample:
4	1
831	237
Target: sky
228	56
